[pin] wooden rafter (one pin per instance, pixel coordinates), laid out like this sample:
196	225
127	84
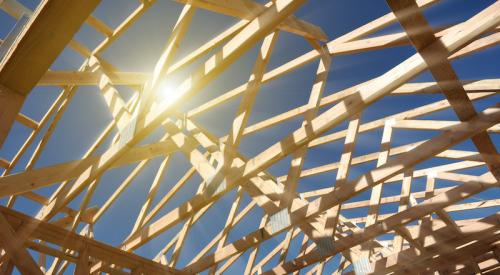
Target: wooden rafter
24	65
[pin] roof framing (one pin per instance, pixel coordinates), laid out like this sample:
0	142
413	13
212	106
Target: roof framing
425	236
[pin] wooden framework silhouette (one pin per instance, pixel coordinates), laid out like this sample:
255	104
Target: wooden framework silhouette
426	239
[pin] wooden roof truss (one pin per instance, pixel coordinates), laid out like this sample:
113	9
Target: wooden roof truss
425	238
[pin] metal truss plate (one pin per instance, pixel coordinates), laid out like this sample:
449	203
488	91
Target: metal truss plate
325	245
128	132
362	266
279	220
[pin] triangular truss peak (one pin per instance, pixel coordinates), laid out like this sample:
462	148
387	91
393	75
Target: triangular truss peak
222	158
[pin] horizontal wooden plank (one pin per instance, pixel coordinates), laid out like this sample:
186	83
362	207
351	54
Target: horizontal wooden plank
62	78
53	234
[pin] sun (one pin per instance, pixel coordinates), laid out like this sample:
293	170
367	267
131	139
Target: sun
168	93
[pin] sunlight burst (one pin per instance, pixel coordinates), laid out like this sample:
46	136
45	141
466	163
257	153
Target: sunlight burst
168	93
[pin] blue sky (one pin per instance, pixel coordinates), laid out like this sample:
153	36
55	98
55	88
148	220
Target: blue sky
138	50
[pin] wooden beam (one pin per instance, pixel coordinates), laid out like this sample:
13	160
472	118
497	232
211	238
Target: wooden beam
15	250
298	157
38	178
80	78
376	192
52	234
10	105
436	56
451	208
249	9
336	47
24	64
241	118
163	64
14	8
345	163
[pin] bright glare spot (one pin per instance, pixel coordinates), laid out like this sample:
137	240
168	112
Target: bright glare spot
432	174
168	93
